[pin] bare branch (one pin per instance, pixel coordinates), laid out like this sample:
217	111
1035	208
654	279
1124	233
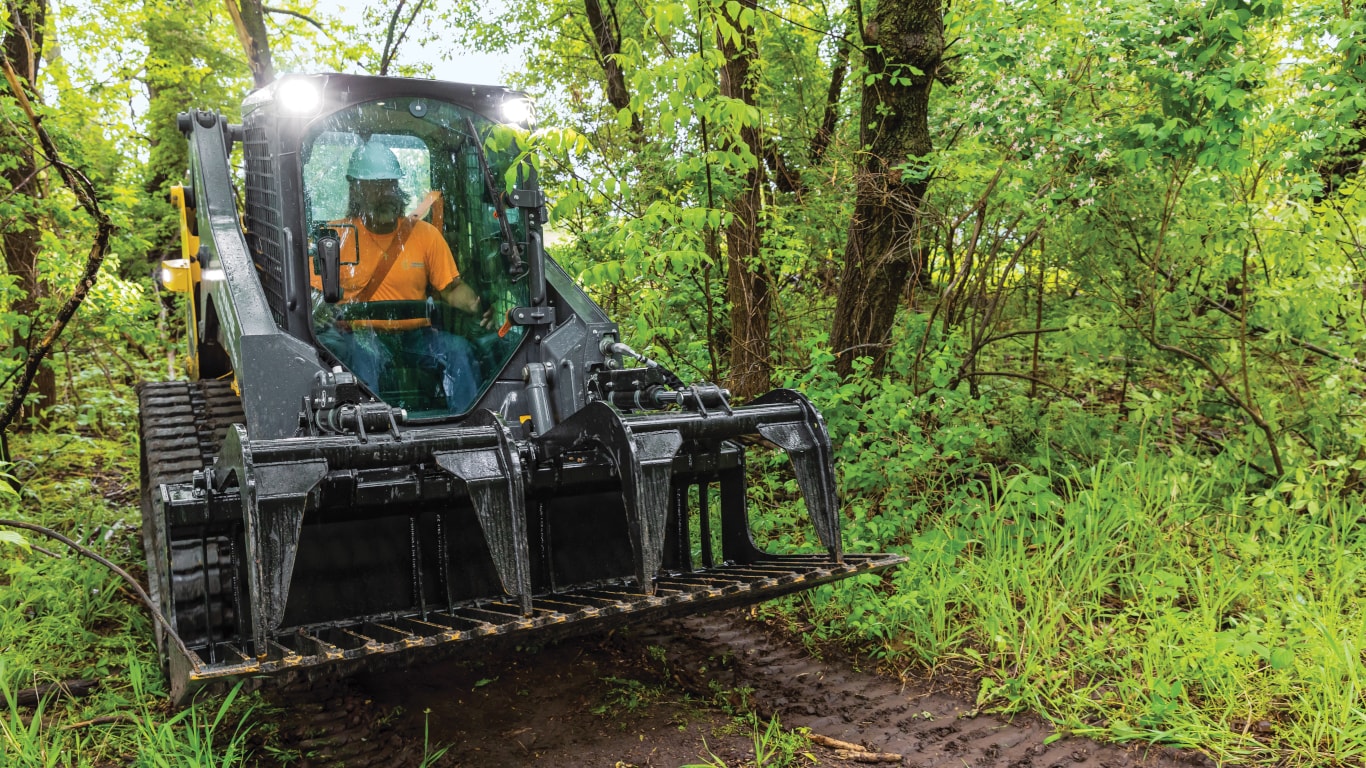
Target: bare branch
1024	376
394	37
297	15
1013	334
85	194
1246	406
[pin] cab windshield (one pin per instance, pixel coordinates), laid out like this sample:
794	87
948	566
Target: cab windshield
427	276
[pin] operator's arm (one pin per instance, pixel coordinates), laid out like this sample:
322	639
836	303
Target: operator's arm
461	296
442	271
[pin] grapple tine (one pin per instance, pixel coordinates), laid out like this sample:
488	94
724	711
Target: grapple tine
493	476
274	499
807	443
644	463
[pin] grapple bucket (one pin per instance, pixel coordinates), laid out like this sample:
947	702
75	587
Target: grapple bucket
292	554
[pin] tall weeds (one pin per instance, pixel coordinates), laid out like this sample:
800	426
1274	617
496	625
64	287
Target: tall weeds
1141	598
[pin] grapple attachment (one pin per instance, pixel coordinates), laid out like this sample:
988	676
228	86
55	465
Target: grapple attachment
337	550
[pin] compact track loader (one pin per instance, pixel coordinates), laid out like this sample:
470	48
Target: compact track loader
376	460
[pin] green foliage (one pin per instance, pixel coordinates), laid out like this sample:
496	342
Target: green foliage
628	696
27	739
66	617
1147	597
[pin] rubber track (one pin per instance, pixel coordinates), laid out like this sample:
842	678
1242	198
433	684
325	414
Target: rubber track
930	727
183	424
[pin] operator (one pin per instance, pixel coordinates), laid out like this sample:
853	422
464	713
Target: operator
387	256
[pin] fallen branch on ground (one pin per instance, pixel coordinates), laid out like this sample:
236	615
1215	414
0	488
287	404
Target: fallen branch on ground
102	720
28	697
826	741
868	757
858	753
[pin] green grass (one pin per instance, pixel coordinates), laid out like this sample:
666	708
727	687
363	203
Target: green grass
67	617
1148	599
774	746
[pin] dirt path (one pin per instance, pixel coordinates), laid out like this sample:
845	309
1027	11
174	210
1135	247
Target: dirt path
670	695
929	726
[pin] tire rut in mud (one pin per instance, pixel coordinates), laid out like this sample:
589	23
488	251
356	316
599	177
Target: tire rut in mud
928	726
332	723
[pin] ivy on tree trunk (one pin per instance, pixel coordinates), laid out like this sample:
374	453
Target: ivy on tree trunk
23	50
903	43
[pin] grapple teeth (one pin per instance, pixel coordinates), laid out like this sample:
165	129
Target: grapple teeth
808	447
493	478
643	462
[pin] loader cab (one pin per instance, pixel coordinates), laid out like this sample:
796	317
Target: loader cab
441	159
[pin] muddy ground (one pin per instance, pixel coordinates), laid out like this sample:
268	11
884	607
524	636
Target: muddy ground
676	694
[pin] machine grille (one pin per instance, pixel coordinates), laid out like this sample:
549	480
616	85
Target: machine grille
265	230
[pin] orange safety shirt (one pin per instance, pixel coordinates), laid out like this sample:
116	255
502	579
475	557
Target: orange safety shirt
423	259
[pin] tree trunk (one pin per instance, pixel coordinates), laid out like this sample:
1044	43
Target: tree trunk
606	47
881	255
747	285
249	19
22	47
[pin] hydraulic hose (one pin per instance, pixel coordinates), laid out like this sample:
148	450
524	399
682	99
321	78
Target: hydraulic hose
616	347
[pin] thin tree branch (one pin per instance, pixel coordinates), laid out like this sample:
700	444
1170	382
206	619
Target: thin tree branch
1024	376
297	15
85	193
101	720
408	25
1248	407
17	189
395	37
839	67
1013	334
386	55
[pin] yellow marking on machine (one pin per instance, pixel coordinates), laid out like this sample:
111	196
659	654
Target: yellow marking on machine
189	242
179	275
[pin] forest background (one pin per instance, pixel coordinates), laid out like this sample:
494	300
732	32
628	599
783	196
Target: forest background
1079	287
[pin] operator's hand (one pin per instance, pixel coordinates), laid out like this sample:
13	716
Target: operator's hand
464	298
